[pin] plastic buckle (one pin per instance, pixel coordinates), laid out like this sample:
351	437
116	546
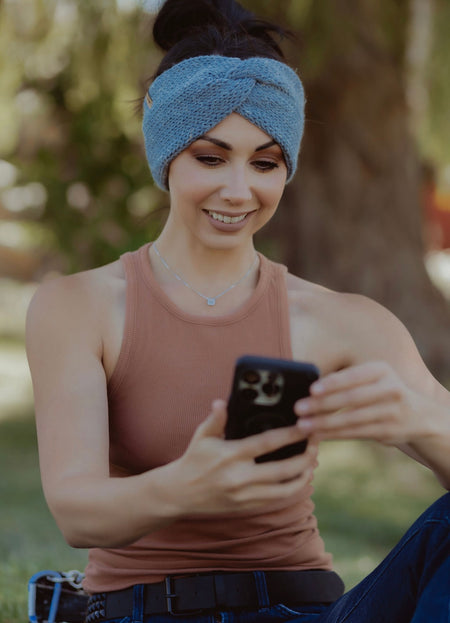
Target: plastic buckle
32	591
73	578
170	595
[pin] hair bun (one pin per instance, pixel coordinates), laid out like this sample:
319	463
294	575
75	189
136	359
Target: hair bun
180	19
187	28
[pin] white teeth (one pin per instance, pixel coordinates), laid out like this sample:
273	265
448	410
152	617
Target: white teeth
227	219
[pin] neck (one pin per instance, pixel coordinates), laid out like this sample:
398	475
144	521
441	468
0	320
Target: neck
207	269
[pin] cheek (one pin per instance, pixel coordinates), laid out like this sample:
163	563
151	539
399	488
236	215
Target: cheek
189	183
272	192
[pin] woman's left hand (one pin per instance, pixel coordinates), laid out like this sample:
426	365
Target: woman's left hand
365	401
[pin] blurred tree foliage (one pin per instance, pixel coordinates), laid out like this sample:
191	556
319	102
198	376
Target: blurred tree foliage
434	130
70	75
77	72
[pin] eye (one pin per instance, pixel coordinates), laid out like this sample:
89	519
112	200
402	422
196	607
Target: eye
265	165
210	161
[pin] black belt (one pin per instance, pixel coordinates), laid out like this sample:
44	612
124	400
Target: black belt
220	591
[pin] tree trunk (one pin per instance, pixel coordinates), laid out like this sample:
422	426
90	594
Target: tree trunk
352	219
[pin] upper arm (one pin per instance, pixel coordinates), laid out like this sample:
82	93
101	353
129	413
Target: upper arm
390	341
64	349
377	334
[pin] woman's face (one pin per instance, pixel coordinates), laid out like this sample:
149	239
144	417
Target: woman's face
226	185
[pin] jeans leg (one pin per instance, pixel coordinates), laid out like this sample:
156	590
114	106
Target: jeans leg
411	584
434	601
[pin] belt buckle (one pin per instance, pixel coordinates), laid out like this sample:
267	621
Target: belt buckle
170	596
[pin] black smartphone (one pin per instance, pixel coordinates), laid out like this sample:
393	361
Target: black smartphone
262	397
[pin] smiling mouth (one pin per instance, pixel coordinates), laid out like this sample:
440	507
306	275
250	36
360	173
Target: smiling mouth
227	219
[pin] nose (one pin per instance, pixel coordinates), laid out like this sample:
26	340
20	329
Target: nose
236	188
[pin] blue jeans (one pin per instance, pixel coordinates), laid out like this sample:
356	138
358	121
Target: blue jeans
412	585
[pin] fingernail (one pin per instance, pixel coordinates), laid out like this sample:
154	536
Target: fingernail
302	407
317	388
304	424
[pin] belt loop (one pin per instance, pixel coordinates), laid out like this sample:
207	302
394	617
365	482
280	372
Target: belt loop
261	588
138	604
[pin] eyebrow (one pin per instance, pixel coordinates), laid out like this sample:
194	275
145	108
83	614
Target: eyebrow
228	147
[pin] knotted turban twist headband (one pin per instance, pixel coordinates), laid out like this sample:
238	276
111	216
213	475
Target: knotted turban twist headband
193	96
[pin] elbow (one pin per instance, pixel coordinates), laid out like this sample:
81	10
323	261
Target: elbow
78	527
77	542
76	534
67	520
82	524
85	536
85	532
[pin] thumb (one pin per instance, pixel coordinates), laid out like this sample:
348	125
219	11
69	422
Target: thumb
214	425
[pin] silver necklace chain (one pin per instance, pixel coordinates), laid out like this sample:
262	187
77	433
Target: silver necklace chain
211	300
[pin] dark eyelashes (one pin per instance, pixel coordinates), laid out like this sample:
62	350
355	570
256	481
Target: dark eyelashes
262	165
266	165
210	160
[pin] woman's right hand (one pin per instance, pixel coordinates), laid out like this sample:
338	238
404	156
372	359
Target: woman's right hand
215	475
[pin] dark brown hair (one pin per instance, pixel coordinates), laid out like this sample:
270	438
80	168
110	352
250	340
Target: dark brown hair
187	28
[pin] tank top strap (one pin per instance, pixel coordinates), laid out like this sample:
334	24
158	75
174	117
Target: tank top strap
279	290
130	265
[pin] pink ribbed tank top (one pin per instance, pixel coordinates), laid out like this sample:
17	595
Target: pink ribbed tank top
170	368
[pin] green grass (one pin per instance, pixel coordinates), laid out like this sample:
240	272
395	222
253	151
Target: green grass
366	497
29	538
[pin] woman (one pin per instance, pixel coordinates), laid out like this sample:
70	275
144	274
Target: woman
133	364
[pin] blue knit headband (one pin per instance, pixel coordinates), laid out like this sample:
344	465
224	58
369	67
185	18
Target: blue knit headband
195	95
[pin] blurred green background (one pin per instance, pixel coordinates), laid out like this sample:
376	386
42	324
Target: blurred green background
368	211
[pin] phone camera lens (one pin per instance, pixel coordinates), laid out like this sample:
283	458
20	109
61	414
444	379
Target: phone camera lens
251	377
271	389
249	394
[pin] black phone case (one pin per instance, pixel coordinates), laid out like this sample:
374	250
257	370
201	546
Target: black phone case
263	395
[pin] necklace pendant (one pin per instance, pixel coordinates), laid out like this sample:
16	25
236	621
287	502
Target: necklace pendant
211	301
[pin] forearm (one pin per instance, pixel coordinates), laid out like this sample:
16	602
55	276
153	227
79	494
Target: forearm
433	448
111	512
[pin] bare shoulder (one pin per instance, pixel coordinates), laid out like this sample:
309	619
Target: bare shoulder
359	327
74	293
306	293
80	303
340	309
324	307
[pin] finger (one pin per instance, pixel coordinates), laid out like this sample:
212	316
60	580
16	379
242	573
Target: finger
371	432
214	425
347	419
285	470
352	376
262	443
260	493
345	399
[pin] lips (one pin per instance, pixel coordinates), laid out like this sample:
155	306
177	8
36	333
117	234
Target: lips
224	218
227	222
